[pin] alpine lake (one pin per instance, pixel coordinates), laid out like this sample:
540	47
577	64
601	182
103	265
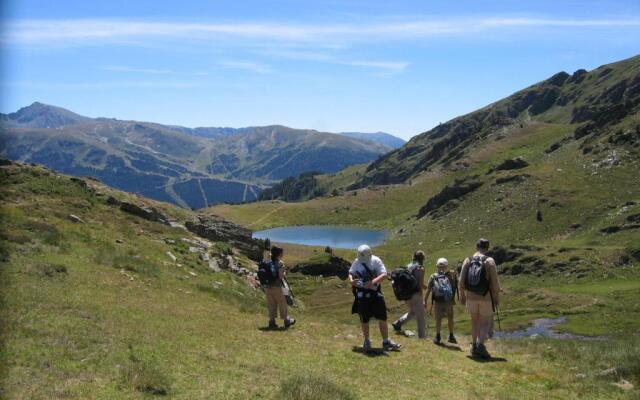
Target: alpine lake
324	235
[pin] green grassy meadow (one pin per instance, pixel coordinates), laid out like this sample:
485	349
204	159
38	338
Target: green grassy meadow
86	317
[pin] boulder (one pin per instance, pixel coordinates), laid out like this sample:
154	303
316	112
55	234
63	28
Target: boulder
146	212
335	266
218	229
501	254
510	164
76	219
512	179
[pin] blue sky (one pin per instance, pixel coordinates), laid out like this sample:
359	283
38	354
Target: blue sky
333	65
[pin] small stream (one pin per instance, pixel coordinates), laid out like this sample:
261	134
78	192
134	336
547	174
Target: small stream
543	327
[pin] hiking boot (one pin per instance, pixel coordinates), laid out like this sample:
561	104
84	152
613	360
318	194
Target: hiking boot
366	346
289	322
481	351
273	325
474	350
452	339
390	345
397	327
437	339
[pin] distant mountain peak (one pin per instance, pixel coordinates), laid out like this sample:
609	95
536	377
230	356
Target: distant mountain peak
41	115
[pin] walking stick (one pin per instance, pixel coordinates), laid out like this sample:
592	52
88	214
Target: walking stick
293	297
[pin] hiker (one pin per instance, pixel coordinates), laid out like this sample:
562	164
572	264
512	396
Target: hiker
365	274
415	303
443	286
480	292
272	277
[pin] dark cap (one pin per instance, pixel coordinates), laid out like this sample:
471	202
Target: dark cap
276	251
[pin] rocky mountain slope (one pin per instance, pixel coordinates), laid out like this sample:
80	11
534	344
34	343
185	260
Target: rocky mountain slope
592	103
188	167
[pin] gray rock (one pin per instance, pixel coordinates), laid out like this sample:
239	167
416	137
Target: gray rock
608	372
220	230
148	213
214	266
624	385
171	256
76	219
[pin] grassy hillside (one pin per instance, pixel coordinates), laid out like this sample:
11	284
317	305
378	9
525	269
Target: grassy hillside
557	194
98	310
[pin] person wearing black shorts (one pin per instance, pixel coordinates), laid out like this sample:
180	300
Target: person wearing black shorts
365	274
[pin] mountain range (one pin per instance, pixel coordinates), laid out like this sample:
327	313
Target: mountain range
190	167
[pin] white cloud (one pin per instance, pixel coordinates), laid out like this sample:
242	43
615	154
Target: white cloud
75	31
389	66
246	66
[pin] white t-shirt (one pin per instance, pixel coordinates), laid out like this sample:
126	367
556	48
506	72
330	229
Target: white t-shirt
360	272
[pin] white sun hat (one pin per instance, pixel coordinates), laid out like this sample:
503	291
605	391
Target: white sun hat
442	262
364	254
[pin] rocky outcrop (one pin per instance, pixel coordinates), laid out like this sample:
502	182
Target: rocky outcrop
502	254
512	179
507	165
334	266
146	212
448	198
220	230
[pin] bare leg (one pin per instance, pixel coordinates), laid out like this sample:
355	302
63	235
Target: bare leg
450	322
438	325
475	327
484	326
384	329
365	331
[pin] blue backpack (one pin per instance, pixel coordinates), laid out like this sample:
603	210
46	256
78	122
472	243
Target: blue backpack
442	289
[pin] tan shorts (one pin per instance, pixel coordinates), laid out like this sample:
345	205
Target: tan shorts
443	310
480	307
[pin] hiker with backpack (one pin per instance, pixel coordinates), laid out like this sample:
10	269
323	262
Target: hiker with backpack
411	293
366	274
480	292
271	274
443	286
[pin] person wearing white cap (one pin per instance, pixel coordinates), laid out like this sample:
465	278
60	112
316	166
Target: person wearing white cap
442	286
365	274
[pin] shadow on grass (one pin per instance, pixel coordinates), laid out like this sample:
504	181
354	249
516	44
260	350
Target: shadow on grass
487	360
276	329
452	347
372	352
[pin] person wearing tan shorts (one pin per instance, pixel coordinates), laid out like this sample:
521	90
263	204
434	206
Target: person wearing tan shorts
480	293
442	286
274	293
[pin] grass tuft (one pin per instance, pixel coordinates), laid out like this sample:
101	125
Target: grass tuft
144	376
305	387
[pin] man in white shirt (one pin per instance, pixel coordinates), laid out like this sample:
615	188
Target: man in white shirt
366	274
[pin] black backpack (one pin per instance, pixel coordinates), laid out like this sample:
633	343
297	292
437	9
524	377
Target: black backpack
476	280
267	272
404	283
